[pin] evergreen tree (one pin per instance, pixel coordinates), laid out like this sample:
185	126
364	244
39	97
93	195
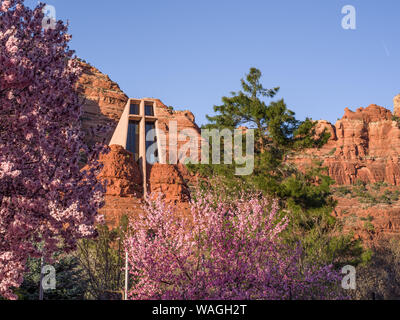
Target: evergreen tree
305	195
71	283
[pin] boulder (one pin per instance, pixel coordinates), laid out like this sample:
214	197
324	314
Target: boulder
167	180
122	173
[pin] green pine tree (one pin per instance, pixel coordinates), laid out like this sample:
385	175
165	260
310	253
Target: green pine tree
305	196
71	283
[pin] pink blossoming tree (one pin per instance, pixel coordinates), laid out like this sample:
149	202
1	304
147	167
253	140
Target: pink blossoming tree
46	200
221	251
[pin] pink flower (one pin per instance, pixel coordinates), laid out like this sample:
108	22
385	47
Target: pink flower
41	146
5	5
224	251
12	44
6	169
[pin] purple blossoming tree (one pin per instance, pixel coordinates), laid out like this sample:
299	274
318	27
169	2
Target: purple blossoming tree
222	251
46	200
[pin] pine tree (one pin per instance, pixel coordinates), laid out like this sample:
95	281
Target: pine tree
306	195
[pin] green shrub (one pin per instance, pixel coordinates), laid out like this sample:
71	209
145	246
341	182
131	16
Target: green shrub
397	119
342	191
369	226
332	152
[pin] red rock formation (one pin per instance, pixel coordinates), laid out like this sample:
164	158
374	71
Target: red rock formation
117	207
124	179
364	145
370	223
103	102
167	180
124	194
183	119
396	104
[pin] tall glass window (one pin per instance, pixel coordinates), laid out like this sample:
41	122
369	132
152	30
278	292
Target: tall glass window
132	144
151	141
134	109
149	110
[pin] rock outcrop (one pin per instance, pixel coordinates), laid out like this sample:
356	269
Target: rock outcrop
369	222
103	103
396	104
364	145
121	173
181	120
124	192
168	181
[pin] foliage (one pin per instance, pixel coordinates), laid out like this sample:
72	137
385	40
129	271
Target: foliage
321	234
342	191
332	152
305	195
102	261
71	283
378	185
277	131
45	197
380	279
369	194
397	120
368	226
276	127
225	250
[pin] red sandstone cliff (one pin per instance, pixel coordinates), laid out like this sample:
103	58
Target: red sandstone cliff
183	119
103	102
369	221
121	173
124	193
103	105
364	145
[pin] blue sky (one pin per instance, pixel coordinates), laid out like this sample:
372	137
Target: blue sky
191	53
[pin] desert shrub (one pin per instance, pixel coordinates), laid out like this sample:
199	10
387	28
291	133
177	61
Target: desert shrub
366	197
342	191
380	278
369	218
305	195
378	185
397	120
368	226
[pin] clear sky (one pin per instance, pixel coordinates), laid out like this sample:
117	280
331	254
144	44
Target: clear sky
190	53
